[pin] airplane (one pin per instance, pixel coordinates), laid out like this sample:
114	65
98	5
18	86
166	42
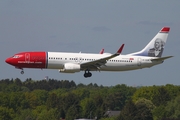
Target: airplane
67	62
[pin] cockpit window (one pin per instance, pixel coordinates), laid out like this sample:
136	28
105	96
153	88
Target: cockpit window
16	56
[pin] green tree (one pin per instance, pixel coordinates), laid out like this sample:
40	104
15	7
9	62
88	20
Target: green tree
119	94
114	101
4	99
128	112
88	108
26	114
159	112
98	102
161	96
50	114
73	112
144	109
144	92
16	100
109	118
12	88
38	110
18	82
173	108
174	90
145	102
41	95
6	114
81	92
52	101
68	100
31	98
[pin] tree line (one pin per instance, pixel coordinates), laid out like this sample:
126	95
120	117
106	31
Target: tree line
64	99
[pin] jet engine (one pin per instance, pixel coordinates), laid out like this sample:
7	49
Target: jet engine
70	68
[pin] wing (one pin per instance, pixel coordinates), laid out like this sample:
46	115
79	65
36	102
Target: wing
96	64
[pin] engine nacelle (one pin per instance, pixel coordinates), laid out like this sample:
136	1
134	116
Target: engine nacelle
70	68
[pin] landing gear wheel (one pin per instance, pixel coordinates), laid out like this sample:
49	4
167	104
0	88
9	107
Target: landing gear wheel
87	74
22	72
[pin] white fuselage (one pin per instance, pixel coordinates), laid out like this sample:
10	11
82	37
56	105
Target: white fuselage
56	60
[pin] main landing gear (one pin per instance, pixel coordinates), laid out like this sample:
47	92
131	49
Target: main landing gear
87	74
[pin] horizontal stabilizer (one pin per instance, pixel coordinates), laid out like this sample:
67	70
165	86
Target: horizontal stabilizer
161	59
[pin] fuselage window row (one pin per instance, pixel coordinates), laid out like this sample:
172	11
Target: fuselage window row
82	59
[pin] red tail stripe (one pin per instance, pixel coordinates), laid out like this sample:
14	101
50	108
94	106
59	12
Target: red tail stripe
165	29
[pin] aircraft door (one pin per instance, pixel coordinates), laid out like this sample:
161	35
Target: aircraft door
78	60
139	61
27	58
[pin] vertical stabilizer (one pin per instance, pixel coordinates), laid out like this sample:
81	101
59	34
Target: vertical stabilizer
156	46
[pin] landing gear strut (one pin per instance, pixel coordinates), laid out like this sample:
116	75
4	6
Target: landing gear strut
87	74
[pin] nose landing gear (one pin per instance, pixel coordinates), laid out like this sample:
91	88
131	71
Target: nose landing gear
22	72
87	74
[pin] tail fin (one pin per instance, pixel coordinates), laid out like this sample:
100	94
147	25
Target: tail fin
156	46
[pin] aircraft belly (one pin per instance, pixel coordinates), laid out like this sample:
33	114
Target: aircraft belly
120	67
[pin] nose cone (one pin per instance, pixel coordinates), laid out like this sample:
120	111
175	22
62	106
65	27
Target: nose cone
9	61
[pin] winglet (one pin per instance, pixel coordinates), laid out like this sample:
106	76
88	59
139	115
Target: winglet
120	49
102	51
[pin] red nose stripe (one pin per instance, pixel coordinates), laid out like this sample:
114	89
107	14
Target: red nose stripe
28	60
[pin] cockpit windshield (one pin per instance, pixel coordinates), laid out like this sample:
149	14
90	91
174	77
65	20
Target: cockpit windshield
16	56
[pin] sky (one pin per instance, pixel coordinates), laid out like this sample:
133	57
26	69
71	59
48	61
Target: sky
88	26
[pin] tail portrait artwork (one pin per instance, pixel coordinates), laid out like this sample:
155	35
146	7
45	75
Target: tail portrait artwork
156	46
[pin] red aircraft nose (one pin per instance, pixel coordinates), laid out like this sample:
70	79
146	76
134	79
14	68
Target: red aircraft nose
9	61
